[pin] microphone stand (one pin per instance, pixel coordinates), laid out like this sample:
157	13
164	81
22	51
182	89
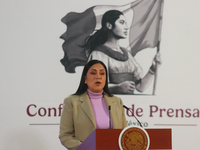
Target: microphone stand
133	115
109	108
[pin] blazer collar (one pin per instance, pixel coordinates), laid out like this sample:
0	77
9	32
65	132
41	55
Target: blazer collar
86	106
109	100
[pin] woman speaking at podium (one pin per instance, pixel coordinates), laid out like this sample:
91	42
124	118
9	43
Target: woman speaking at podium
91	107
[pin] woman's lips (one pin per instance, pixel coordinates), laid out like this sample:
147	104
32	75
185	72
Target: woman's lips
97	83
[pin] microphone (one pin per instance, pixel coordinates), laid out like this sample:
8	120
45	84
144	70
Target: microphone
133	115
109	108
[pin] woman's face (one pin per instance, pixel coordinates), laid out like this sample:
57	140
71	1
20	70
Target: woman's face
96	78
121	28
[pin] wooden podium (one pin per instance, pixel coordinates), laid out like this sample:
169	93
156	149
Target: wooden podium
107	139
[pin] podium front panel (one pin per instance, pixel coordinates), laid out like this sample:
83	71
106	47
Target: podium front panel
107	139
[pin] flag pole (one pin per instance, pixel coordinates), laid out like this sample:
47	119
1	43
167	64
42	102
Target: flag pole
156	71
158	47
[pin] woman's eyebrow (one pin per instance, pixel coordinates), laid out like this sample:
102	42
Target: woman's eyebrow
96	69
93	70
102	69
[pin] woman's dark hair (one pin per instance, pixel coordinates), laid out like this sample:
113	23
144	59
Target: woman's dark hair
101	36
83	87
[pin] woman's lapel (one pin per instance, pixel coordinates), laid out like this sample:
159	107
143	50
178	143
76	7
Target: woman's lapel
87	108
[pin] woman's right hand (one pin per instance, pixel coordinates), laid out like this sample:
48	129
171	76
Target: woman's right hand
126	87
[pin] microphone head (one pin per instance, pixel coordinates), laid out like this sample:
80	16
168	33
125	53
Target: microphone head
125	107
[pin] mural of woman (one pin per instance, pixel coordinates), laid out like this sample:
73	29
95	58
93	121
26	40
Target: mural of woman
124	73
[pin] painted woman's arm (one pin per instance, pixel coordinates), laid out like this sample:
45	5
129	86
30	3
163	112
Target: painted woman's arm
146	80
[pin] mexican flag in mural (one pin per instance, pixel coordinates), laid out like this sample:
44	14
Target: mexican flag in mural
144	18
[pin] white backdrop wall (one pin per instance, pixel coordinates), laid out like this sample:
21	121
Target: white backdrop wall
34	84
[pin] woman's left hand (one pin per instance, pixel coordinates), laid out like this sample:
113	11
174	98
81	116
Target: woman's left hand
155	64
157	60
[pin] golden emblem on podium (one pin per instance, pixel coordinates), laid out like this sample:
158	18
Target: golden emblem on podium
134	138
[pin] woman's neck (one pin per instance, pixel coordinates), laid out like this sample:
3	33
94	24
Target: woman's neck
112	41
113	44
93	95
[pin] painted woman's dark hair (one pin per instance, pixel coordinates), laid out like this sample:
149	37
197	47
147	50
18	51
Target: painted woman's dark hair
83	87
101	36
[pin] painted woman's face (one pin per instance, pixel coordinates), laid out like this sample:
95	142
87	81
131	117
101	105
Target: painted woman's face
96	78
121	28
